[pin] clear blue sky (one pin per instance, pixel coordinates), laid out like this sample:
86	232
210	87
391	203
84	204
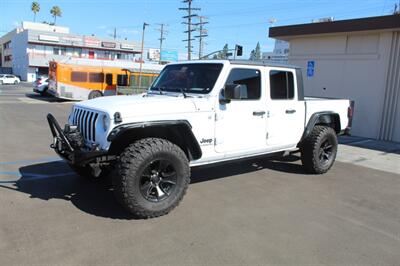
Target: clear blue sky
243	22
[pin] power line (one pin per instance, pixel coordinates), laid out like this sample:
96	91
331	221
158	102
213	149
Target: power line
189	24
202	33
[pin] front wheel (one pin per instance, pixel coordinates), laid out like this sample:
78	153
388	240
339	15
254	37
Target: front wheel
15	82
152	176
318	151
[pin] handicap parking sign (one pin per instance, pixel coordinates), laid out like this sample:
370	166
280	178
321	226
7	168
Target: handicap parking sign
310	68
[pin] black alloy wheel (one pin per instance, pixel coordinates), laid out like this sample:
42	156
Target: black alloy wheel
158	180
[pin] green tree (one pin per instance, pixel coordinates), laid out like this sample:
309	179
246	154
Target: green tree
55	12
35	8
223	54
256	53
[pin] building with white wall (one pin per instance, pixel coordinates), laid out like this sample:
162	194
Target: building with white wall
357	59
29	48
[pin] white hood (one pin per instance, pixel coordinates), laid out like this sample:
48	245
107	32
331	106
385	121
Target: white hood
140	105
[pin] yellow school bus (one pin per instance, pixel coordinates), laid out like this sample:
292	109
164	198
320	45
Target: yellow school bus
79	82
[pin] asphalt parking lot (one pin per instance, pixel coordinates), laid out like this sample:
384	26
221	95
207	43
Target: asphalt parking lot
252	212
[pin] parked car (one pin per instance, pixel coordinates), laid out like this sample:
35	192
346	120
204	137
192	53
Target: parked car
198	113
9	79
41	85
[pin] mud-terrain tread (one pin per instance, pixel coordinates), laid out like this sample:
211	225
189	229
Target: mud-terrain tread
130	160
309	149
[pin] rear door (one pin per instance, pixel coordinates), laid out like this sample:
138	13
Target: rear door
285	112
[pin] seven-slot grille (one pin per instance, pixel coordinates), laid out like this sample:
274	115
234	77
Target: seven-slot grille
86	122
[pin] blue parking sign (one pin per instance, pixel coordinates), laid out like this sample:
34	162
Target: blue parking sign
310	68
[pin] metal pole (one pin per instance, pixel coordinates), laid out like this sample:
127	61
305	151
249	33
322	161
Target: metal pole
141	56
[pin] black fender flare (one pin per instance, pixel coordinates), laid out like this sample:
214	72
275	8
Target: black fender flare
322	118
179	132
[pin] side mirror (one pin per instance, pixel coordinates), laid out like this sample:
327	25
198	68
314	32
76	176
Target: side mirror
233	91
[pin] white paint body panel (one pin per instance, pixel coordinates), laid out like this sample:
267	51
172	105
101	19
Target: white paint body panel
235	132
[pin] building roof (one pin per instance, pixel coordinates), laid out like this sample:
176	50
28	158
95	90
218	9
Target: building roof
350	25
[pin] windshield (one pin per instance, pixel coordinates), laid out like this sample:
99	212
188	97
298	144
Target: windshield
187	78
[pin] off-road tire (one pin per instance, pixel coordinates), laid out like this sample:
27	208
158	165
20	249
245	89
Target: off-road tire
311	150
131	167
94	94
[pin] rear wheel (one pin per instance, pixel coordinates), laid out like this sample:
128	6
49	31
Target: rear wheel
1	82
151	178
318	152
94	94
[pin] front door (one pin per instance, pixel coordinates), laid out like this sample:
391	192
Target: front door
241	124
286	113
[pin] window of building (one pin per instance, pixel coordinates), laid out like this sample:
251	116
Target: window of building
78	76
109	79
250	81
96	77
77	52
7	58
56	50
7	45
122	80
281	85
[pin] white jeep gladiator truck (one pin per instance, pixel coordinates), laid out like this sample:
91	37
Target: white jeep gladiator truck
198	113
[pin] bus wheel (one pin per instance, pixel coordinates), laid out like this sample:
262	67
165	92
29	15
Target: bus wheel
95	94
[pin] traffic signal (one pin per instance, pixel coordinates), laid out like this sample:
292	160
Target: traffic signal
239	50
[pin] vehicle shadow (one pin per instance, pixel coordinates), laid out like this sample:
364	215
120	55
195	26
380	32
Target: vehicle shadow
55	180
46	98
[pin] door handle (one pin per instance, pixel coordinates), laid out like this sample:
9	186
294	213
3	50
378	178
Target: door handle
258	113
290	111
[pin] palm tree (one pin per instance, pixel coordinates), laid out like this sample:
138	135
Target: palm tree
35	7
55	12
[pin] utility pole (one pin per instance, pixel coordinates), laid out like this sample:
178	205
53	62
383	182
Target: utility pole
189	24
141	56
202	34
163	32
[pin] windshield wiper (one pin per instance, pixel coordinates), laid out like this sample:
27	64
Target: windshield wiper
183	92
160	89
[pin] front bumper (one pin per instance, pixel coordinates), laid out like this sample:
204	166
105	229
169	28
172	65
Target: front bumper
64	148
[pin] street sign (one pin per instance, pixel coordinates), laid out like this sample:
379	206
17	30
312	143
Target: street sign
169	56
310	68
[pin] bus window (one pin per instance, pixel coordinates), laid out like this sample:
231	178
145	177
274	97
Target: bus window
145	81
122	80
109	79
96	77
78	76
132	80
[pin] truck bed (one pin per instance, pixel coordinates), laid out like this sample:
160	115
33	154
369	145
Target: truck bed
339	106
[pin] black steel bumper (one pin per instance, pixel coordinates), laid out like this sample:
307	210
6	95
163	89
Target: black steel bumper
64	149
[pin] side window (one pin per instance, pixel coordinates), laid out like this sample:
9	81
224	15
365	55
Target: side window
281	85
96	77
78	76
250	81
109	79
122	80
132	81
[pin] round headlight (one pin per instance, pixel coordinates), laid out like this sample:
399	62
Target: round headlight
105	122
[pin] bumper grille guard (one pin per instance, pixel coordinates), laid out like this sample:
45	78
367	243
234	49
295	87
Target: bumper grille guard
86	122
